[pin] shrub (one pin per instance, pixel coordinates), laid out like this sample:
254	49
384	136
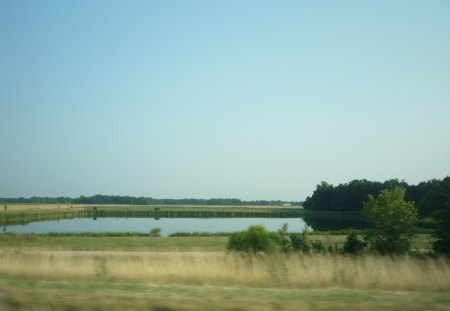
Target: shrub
285	240
155	232
318	246
300	241
353	245
255	239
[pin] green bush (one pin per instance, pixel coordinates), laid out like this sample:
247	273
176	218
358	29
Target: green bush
155	232
300	241
353	245
318	246
255	239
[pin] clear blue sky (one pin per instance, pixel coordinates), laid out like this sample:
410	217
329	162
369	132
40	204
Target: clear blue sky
246	99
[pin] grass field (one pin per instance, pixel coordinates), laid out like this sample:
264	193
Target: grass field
98	296
77	243
422	242
217	281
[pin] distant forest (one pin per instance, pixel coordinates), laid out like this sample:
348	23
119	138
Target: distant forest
117	199
429	196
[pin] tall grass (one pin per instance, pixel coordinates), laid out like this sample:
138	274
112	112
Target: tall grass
223	269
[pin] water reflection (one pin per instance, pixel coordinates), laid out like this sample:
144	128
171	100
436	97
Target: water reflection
325	224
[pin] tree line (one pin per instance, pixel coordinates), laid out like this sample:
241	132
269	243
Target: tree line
429	196
392	229
130	200
392	222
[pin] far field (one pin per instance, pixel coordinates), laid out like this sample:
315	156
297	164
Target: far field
37	207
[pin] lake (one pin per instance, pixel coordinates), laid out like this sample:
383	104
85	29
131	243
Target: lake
144	225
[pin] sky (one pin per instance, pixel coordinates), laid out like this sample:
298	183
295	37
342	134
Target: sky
233	99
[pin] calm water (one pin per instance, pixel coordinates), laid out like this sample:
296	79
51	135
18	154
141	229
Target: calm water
167	225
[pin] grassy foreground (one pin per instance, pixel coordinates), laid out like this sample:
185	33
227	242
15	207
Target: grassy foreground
219	281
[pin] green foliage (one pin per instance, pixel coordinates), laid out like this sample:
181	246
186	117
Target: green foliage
346	197
255	239
430	196
155	232
285	240
258	239
353	245
392	220
300	241
318	246
442	233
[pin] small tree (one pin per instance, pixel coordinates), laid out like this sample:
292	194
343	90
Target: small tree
353	245
392	219
285	239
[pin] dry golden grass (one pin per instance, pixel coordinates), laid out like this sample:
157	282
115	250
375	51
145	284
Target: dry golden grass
70	280
223	269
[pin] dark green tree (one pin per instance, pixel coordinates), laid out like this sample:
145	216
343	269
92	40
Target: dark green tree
442	232
392	220
435	195
353	245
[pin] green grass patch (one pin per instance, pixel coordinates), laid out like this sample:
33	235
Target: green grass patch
138	242
112	243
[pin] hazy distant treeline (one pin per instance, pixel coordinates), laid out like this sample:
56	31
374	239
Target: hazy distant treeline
429	196
116	199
